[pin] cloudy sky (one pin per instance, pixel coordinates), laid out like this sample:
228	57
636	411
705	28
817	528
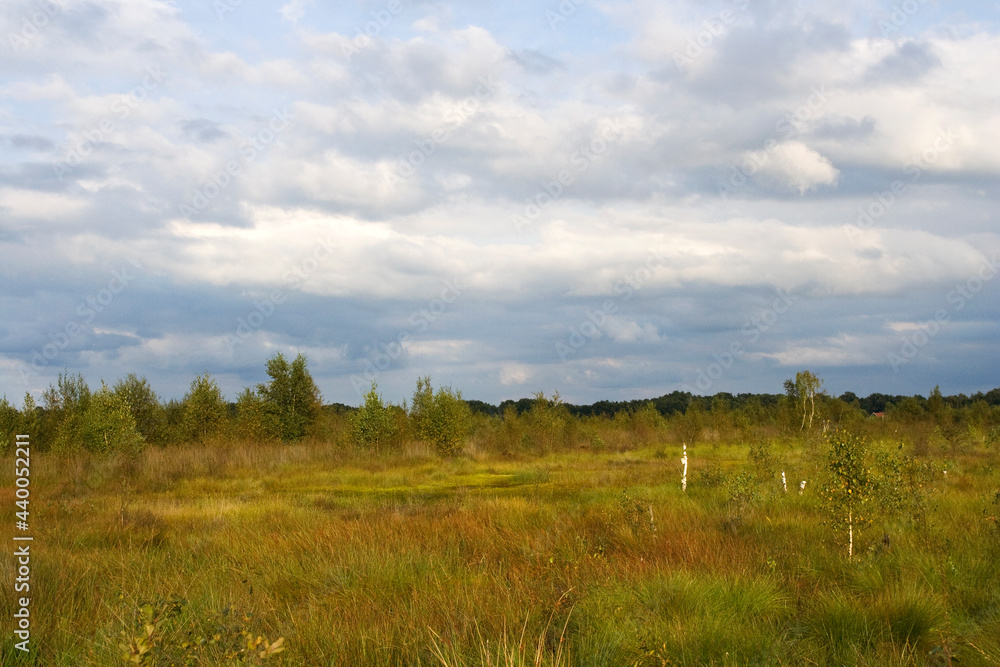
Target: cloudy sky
611	199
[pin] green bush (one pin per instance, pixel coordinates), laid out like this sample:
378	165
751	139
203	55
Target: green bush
373	425
848	495
65	406
145	407
291	399
205	413
547	423
108	424
866	483
442	418
10	423
253	421
163	632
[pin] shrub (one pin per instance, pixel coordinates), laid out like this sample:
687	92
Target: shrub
291	399
761	462
546	421
108	425
65	405
849	487
646	423
442	418
161	632
145	407
30	420
253	422
689	425
10	422
865	483
205	413
373	425
743	494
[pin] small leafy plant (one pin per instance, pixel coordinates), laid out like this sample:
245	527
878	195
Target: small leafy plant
157	637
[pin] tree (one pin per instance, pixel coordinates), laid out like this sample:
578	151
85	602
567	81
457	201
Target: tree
422	405
65	405
547	420
936	406
10	422
205	413
645	422
908	407
373	425
807	386
690	424
849	486
866	483
291	398
441	418
30	420
252	419
145	407
109	425
851	398
720	412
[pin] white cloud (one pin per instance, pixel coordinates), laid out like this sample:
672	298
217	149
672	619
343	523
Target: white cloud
515	374
294	11
793	165
628	331
438	350
32	205
843	350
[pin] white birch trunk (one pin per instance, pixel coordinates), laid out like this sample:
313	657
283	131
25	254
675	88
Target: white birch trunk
684	477
850	534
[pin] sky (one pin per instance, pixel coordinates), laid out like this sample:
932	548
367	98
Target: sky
612	200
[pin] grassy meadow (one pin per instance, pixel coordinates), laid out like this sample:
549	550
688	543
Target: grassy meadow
584	554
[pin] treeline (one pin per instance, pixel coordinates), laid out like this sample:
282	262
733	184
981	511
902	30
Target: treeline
678	402
128	416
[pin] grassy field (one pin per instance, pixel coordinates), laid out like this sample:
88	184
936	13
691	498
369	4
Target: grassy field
572	558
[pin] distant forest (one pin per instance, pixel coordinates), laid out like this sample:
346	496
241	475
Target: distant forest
678	402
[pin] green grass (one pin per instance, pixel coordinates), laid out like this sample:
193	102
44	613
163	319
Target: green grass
555	560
